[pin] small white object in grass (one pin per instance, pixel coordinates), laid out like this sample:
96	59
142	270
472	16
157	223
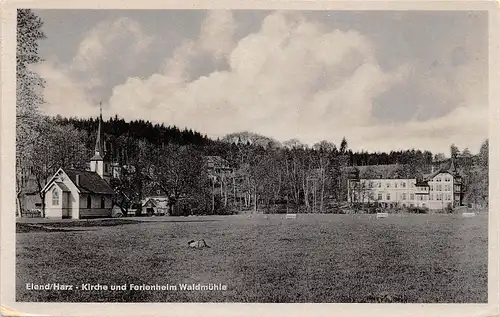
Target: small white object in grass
468	214
382	215
291	216
198	244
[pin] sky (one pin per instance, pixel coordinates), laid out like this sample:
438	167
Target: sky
386	80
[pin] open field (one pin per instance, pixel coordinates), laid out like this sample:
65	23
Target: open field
315	258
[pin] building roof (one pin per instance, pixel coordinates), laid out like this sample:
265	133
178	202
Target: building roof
422	183
159	202
89	182
446	167
389	171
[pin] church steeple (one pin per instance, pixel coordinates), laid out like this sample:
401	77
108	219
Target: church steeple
98	151
98	163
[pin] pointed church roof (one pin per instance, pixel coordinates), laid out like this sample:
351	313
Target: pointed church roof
99	148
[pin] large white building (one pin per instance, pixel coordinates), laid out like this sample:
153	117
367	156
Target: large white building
439	190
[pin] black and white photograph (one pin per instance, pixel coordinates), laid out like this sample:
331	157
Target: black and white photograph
220	155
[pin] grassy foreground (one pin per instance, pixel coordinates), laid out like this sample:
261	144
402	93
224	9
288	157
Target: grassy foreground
315	258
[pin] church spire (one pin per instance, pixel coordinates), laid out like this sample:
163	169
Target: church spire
98	151
99	162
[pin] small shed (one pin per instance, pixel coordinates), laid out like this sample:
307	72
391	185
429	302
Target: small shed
156	206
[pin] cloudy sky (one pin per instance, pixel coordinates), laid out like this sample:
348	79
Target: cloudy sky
385	80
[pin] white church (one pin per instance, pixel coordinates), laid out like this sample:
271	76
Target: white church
78	194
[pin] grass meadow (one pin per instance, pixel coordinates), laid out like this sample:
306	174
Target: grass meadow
267	259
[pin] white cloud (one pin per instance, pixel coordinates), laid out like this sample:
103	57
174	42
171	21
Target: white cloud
291	79
465	126
109	46
122	39
62	94
217	31
291	74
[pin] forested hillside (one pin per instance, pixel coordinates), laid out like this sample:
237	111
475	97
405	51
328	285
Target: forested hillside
267	172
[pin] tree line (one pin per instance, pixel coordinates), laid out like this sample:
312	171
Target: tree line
267	176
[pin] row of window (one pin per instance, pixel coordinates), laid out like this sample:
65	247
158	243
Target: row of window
372	184
439	196
440	187
402	184
446	179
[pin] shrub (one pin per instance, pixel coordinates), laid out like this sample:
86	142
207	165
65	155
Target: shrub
418	210
449	208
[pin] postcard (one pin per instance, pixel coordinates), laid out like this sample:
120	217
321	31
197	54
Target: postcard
250	158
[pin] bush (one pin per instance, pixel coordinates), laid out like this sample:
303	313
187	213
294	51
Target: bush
418	210
449	208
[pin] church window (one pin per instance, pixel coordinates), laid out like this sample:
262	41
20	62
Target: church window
89	201
55	197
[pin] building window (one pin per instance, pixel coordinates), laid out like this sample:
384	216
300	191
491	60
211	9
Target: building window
403	184
379	184
89	201
448	197
102	202
388	185
379	197
55	197
431	197
105	168
412	196
395	184
438	187
404	196
388	197
440	197
447	179
438	179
